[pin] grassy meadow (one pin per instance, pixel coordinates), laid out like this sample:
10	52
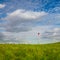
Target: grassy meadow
30	51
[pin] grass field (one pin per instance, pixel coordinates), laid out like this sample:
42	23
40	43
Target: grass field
30	52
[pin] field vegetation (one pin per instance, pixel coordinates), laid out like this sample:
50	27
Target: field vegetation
30	51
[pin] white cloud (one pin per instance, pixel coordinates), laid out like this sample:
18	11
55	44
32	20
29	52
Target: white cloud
52	34
55	9
47	35
26	14
2	5
22	20
19	27
26	37
56	29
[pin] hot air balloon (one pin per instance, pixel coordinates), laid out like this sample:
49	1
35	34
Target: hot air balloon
38	34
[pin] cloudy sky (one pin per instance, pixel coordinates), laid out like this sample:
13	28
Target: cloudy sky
22	20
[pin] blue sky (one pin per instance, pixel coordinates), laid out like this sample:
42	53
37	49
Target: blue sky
21	20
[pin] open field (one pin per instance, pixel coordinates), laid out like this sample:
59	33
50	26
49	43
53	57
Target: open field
30	52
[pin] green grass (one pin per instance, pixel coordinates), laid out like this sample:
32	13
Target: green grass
30	52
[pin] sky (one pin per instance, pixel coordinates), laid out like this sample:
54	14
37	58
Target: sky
22	20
